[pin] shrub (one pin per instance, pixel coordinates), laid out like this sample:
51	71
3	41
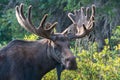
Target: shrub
31	37
115	38
104	65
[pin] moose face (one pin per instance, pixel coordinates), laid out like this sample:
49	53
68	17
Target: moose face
63	46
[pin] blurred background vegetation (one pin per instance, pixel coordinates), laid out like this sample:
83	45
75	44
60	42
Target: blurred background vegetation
98	55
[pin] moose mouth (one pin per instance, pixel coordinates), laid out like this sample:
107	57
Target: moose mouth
71	67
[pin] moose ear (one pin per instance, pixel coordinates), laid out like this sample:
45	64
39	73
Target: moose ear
53	37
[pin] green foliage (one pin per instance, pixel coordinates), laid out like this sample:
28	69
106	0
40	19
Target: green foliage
3	44
75	4
115	38
104	65
5	31
31	37
9	28
4	1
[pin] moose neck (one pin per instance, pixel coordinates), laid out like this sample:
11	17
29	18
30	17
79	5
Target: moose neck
32	59
49	62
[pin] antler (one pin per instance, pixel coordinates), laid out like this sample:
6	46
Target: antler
27	23
82	23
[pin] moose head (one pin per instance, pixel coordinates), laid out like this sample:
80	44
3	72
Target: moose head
45	54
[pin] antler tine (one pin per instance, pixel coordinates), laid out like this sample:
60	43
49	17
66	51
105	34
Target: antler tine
42	21
22	20
93	10
21	11
71	16
82	23
48	27
31	26
87	13
18	16
26	23
91	21
72	36
82	13
52	26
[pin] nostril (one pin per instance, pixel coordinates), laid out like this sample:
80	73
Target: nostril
70	63
67	59
73	58
70	58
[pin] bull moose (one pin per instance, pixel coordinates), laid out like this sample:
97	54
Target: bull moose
31	60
